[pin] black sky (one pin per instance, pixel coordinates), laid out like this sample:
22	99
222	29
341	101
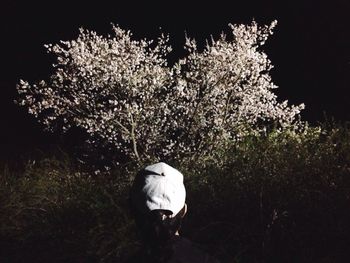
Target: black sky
310	48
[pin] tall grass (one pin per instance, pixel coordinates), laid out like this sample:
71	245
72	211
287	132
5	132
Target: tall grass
281	197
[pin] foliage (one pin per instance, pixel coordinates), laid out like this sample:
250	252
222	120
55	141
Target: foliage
278	197
52	212
123	93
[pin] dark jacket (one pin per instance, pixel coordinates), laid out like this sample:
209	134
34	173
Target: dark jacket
179	250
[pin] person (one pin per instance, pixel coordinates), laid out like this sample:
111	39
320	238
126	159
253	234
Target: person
157	201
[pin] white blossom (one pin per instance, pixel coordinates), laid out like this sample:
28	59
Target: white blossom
123	93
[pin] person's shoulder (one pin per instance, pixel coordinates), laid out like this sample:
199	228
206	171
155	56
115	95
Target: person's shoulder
188	251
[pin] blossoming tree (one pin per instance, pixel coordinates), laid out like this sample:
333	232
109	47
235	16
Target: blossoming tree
124	94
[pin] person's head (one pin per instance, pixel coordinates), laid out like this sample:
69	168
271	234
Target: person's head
157	200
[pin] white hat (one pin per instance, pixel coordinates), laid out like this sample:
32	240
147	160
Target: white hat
159	186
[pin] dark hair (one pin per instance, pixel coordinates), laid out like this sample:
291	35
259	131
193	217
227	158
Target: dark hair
158	226
157	229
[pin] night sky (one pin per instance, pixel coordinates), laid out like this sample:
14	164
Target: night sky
310	48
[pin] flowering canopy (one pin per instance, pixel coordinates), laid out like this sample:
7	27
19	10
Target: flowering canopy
123	93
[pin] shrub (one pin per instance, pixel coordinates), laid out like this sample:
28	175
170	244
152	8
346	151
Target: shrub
54	213
278	197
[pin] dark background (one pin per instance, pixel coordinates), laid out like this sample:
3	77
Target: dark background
310	48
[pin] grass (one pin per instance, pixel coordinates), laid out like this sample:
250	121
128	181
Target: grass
282	197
